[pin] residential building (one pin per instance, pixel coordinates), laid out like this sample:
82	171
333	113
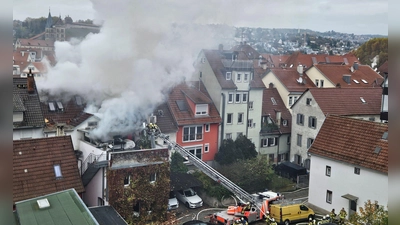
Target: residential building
275	127
44	45
59	208
197	119
37	68
138	184
311	109
290	83
54	30
107	215
385	99
344	76
349	164
42	166
28	120
164	119
308	60
236	90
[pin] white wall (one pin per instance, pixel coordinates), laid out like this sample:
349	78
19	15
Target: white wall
28	133
93	190
283	92
18	116
369	185
313	73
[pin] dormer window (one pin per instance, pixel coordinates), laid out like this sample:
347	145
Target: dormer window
239	77
202	109
228	75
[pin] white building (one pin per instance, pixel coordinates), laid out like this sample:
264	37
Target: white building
311	109
349	164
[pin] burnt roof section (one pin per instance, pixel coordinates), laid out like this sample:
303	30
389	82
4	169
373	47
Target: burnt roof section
335	74
181	181
353	141
106	215
268	108
188	117
250	52
33	167
289	78
138	158
33	116
165	121
346	101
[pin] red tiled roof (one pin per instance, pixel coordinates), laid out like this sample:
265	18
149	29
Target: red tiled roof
289	77
33	167
165	121
21	61
275	60
384	68
188	117
40	66
307	60
346	101
353	141
269	108
40	43
335	74
249	51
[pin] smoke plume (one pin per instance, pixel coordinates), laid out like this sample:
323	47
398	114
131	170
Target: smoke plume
142	50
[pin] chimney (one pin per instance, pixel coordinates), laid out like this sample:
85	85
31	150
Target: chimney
23	53
60	129
30	82
259	60
271	85
220	47
300	69
278	118
264	66
355	66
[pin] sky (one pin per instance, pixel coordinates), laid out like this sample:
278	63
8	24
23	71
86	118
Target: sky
346	16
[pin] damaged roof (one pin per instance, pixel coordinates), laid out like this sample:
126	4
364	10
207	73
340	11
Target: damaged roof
165	121
138	158
358	142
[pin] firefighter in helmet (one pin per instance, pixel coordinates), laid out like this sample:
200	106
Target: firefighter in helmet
237	222
246	207
342	216
244	222
273	222
310	221
267	218
332	216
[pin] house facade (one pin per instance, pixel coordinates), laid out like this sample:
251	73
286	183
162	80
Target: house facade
236	91
349	164
311	109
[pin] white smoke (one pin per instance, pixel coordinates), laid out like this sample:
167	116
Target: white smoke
142	50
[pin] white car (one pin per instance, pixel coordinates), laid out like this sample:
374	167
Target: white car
189	198
172	201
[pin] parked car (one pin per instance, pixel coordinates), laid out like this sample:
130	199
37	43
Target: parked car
190	198
196	222
291	213
172	201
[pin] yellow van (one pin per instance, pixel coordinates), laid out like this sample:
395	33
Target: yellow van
287	214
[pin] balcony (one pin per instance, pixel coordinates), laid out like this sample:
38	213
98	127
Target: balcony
269	128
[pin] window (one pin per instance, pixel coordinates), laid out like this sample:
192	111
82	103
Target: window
228	136
269	142
229	118
207	127
230	97
250	123
240	118
300	119
246	77
322	83
308	101
299	136
295	99
357	170
193	133
238	134
290	100
201	109
316	82
372	119
312	122
195	151
284	123
328	171
309	142
57	171
244	98
239	77
273	101
297	159
250	105
206	147
228	75
153	177
329	196
237	99
127	180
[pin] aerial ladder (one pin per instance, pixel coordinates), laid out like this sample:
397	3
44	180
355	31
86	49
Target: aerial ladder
258	203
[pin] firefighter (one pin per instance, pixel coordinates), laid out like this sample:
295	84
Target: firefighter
332	216
246	207
273	222
310	221
325	219
237	222
342	216
244	222
267	218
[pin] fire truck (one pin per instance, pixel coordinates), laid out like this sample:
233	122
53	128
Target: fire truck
251	207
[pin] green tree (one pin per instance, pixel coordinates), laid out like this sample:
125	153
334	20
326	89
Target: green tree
246	146
371	213
376	46
177	164
232	151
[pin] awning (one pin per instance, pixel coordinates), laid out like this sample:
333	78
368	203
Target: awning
350	197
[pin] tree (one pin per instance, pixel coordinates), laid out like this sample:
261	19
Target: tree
246	146
232	151
371	214
177	164
372	48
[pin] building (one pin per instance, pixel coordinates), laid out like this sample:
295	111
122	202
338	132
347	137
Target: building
385	99
58	208
44	45
162	116
138	184
43	166
106	215
197	119
343	76
311	109
349	164
236	90
28	120
54	31
308	60
275	127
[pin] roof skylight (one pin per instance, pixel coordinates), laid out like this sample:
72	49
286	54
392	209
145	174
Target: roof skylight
356	81
364	81
363	100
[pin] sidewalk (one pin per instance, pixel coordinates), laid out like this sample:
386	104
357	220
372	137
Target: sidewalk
319	212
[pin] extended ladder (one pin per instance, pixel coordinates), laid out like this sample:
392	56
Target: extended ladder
241	194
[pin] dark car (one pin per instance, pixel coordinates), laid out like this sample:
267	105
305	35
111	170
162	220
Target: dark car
197	222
